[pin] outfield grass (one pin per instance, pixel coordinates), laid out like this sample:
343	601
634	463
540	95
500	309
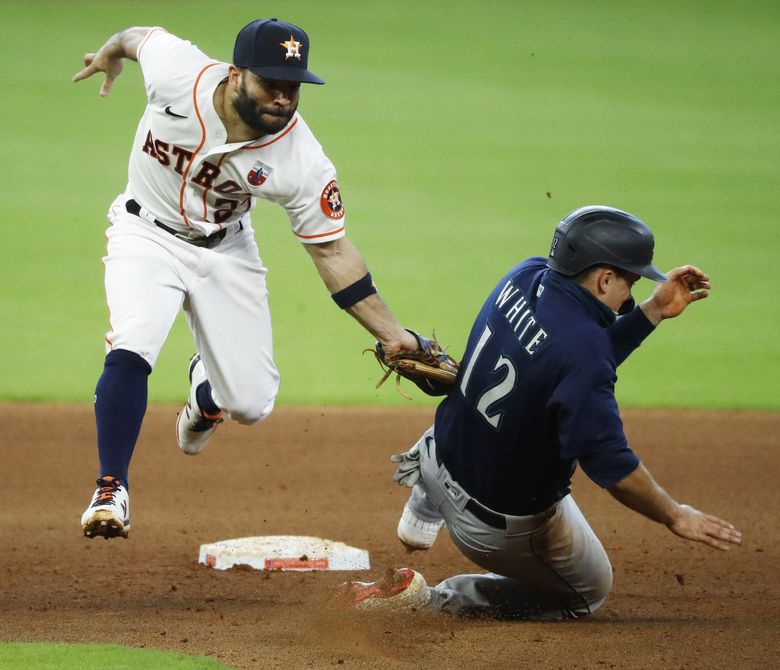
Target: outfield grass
23	656
462	132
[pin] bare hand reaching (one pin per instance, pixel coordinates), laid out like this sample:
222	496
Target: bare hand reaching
112	68
684	285
692	524
110	57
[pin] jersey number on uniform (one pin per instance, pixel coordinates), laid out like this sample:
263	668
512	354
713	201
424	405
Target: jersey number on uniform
494	393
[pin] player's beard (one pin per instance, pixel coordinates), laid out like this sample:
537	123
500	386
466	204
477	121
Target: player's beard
256	116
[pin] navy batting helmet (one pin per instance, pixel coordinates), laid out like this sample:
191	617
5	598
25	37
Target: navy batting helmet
600	235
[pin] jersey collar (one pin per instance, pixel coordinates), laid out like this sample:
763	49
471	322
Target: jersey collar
602	314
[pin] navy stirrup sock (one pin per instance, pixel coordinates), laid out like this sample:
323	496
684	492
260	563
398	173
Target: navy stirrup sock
120	405
205	400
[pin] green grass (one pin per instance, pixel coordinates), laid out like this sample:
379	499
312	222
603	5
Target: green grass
23	656
462	132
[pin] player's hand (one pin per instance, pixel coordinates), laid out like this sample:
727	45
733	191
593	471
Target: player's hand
692	524
406	341
110	57
105	60
408	471
684	285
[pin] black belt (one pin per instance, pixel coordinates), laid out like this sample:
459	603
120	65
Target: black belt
211	241
485	515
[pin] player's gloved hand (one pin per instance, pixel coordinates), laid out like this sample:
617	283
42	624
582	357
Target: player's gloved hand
429	366
408	471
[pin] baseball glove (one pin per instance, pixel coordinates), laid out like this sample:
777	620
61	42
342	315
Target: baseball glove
430	367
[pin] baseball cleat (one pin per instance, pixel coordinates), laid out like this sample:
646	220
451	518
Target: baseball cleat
194	427
108	514
415	533
399	589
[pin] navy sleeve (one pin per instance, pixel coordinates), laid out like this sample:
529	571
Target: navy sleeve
590	429
608	469
627	333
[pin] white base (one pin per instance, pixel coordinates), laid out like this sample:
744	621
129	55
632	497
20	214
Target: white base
283	552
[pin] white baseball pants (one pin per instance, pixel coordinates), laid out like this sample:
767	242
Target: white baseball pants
150	275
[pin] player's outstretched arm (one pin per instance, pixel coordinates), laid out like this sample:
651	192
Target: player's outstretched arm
340	265
110	57
641	493
684	285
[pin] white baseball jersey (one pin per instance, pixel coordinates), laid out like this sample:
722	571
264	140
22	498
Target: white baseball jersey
185	174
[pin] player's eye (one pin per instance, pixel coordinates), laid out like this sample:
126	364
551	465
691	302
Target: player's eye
289	88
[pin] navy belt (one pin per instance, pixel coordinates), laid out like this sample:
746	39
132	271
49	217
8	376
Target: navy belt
485	515
211	241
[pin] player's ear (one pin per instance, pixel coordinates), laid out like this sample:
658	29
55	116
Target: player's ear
605	278
234	77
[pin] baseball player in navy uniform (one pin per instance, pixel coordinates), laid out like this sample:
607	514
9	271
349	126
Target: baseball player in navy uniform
535	397
214	137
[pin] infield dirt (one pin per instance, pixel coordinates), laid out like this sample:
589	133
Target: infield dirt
325	471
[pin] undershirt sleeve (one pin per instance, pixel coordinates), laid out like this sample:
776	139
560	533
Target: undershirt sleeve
627	333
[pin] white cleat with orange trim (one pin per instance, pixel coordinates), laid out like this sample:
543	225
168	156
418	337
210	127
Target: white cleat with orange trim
108	514
399	589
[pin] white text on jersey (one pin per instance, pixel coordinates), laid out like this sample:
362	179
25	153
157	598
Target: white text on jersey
518	315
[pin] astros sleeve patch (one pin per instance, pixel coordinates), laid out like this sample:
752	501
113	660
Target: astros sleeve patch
330	201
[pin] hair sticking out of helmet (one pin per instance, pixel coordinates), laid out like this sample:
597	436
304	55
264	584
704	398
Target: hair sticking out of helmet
597	235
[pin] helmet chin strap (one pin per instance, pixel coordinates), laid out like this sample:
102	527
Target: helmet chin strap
626	307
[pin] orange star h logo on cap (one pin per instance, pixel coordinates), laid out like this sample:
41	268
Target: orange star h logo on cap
293	48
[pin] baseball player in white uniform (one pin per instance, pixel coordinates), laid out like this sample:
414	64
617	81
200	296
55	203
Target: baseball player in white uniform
213	139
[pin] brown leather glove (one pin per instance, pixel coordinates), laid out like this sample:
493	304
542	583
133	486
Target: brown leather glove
432	369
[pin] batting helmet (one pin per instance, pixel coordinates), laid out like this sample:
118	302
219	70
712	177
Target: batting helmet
600	235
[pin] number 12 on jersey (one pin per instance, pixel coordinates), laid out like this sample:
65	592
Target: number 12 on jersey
491	396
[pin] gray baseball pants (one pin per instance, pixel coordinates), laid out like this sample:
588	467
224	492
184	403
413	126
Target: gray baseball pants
543	567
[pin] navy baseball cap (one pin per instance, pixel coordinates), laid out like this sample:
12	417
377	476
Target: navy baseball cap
274	49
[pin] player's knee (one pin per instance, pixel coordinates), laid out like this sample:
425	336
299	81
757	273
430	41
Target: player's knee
597	594
253	410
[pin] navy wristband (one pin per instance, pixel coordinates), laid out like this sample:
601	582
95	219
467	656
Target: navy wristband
354	293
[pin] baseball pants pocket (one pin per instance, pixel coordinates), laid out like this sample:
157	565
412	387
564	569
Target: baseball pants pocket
475	540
